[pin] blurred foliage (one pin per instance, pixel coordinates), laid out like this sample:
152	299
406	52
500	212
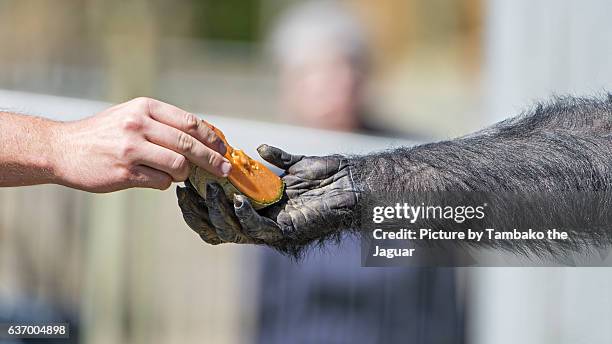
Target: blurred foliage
232	20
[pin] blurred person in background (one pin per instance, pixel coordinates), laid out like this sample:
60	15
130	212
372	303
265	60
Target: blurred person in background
322	54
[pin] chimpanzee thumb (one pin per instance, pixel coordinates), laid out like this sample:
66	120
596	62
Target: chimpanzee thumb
278	157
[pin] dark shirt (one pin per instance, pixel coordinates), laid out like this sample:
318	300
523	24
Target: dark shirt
329	298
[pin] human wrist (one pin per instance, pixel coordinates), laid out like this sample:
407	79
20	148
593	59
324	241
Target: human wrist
58	151
38	153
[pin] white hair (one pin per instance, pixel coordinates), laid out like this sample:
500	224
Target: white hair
304	30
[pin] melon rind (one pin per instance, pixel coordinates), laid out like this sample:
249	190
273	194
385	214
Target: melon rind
200	177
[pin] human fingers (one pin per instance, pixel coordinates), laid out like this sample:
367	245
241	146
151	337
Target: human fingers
188	146
163	159
147	177
185	122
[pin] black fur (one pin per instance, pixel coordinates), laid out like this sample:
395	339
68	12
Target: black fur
562	146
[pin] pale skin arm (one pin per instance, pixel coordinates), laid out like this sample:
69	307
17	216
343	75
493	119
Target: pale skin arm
140	143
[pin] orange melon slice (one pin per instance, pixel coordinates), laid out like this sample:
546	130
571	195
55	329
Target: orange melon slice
248	177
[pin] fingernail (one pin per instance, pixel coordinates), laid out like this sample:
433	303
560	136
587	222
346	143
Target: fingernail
225	168
222	149
238	202
262	148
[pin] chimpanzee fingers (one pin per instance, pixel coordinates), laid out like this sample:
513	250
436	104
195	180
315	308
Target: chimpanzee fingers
222	217
255	225
195	214
278	157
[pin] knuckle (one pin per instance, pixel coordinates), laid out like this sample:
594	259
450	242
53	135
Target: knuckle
192	122
127	149
183	174
211	137
184	142
145	104
133	123
215	160
210	238
125	175
179	164
142	101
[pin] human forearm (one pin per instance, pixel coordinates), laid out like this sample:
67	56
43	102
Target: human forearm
29	150
140	143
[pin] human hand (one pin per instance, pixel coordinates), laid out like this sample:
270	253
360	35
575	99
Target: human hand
320	199
140	143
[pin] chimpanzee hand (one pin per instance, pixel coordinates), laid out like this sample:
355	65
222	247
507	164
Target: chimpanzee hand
320	198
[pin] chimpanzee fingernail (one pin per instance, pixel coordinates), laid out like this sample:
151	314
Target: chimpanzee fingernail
238	202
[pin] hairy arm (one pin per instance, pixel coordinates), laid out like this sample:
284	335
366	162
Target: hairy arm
563	146
551	166
28	150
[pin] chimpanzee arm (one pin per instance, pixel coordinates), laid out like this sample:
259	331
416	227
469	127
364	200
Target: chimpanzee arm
562	146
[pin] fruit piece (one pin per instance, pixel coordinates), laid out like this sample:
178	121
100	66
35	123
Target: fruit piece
247	177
